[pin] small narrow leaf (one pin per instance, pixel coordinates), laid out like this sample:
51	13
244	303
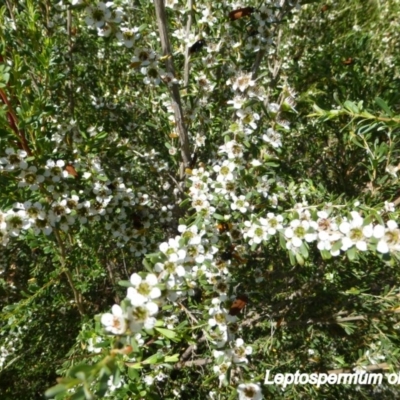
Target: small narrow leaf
167	333
172	359
382	104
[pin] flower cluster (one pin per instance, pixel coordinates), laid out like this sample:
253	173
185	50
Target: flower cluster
139	314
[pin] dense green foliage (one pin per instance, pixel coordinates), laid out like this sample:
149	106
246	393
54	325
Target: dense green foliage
282	193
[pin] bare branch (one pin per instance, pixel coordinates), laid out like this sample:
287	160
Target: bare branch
261	53
187	58
70	63
200	362
176	99
367	368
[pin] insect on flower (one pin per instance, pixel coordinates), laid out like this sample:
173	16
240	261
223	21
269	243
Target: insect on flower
224	227
349	61
197	46
71	170
238	305
241	12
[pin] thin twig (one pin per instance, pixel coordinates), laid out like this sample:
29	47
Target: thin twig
110	265
176	98
187	353
70	63
200	362
367	368
178	186
65	270
261	53
187	58
188	313
10	10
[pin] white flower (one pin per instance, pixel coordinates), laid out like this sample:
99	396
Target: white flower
142	317
233	149
273	108
42	224
169	78
249	391
219	337
172	150
240	203
240	352
171	268
200	140
143	57
208	18
97	15
14	160
272	223
116	15
55	170
219	318
92	344
355	233
16	221
172	250
115	322
389	238
225	171
222	370
200	202
203	83
143	290
242	82
152	74
299	231
389	207
237	102
104	31
272	137
248	117
191	233
255	232
30	178
171	3
148	380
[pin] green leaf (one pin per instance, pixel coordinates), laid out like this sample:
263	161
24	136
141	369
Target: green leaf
133	373
125	283
136	365
348	328
382	104
53	391
81	395
337	245
299	259
303	250
282	241
172	359
326	255
167	333
367	128
155	358
349	105
292	258
81	371
352	253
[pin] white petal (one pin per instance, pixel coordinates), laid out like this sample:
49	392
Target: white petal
117	310
136	280
379	231
151	279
